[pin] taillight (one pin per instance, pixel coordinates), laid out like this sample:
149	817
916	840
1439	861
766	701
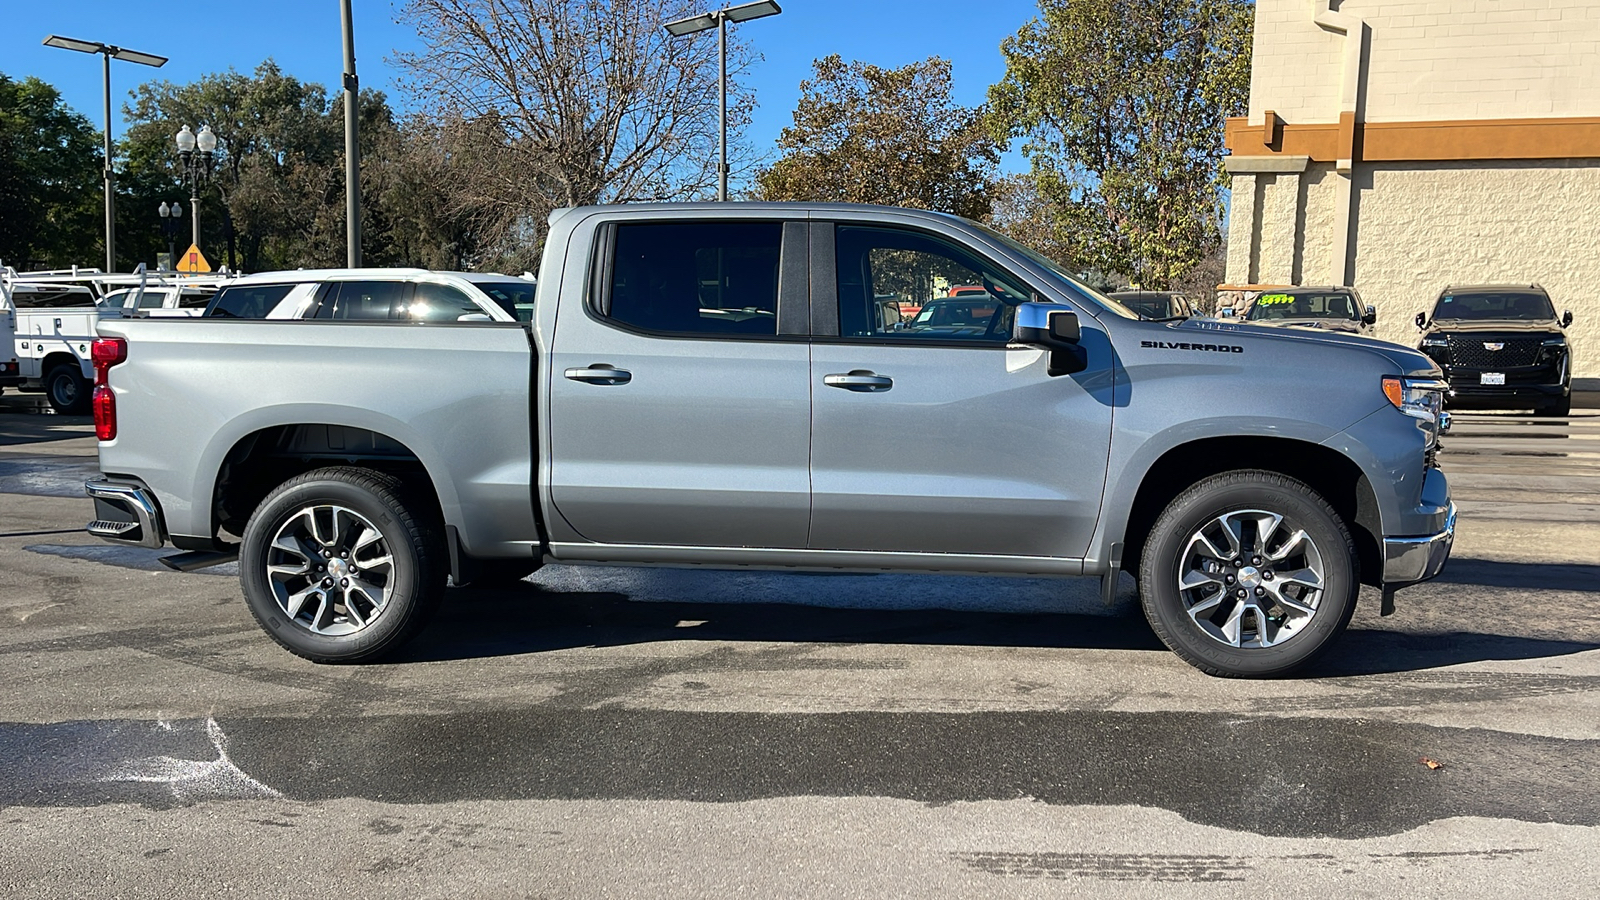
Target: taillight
105	413
105	353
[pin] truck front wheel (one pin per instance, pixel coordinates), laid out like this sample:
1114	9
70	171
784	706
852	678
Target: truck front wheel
342	564
1249	574
67	390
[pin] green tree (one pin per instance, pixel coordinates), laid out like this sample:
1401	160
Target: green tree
1122	104
50	195
864	134
276	198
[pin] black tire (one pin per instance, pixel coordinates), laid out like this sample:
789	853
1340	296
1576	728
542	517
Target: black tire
1166	554
67	391
500	574
1558	410
412	585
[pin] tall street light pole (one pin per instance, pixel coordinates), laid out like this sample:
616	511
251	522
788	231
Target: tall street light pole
108	52
719	20
352	152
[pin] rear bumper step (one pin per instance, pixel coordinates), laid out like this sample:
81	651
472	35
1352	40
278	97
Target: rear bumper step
124	514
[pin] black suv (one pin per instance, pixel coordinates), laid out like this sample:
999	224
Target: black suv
1501	347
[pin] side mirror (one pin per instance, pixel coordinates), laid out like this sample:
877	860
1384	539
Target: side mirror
1566	318
1370	316
1053	327
1422	320
1226	312
474	317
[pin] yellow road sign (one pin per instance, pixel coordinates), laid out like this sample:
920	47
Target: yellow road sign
193	261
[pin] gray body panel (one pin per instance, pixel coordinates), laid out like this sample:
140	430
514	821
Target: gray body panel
734	453
456	397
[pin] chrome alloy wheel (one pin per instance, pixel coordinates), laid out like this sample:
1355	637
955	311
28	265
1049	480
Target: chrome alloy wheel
330	570
1250	578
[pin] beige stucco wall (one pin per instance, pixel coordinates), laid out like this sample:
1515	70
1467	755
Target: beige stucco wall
1421	226
1431	60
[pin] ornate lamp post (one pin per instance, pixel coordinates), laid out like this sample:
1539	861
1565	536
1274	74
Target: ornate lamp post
197	157
169	226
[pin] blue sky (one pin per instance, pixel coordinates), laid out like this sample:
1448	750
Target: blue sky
303	36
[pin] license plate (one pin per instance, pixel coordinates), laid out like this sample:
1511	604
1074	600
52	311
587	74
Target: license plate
1492	378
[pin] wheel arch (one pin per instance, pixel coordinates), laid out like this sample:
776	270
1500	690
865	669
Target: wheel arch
1330	473
248	460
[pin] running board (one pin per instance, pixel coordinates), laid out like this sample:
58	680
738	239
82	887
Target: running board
198	559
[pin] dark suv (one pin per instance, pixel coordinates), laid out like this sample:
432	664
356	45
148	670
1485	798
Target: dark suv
1501	347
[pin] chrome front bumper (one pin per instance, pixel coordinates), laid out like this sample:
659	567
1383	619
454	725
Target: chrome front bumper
1414	559
124	514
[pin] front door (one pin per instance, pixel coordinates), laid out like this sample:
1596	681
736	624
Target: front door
929	434
678	414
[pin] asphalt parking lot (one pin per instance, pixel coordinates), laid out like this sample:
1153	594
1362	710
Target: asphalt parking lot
607	732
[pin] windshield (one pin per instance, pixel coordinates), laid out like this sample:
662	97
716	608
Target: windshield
1495	305
515	297
1280	305
1054	268
1153	305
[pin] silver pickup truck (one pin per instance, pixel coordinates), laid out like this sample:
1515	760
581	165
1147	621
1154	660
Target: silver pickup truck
718	385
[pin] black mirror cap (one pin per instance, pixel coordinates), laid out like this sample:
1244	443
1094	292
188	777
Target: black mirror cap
1566	318
1064	326
1422	320
1370	317
1049	328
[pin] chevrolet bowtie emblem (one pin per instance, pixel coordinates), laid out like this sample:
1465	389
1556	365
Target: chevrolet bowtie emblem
1489	346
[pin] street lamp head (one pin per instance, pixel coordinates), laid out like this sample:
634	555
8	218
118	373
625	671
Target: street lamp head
684	27
747	11
176	210
185	139
66	43
207	139
122	53
134	56
162	209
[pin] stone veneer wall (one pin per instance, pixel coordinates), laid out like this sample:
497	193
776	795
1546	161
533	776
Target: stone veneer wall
1421	226
1432	60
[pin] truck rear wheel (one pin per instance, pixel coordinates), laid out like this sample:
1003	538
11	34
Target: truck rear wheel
342	564
67	390
1249	574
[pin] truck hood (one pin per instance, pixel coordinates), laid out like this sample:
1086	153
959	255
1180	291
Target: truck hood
1530	327
1347	326
1409	361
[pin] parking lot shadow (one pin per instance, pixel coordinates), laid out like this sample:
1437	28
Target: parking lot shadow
1372	652
530	619
25	429
1522	575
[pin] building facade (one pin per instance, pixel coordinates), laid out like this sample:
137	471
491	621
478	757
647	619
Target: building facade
1403	145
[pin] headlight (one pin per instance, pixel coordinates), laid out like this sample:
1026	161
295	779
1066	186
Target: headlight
1556	341
1421	399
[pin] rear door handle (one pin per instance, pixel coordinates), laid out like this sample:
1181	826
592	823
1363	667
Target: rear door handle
600	373
860	381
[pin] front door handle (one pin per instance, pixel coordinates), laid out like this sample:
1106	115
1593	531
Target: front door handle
860	381
600	373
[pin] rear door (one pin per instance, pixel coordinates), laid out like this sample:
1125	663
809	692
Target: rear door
934	436
680	406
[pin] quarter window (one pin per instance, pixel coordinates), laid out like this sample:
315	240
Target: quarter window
905	285
247	301
713	279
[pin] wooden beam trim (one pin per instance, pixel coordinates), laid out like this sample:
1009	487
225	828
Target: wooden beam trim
1461	140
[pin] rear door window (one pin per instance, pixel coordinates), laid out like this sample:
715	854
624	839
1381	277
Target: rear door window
431	302
363	300
704	279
